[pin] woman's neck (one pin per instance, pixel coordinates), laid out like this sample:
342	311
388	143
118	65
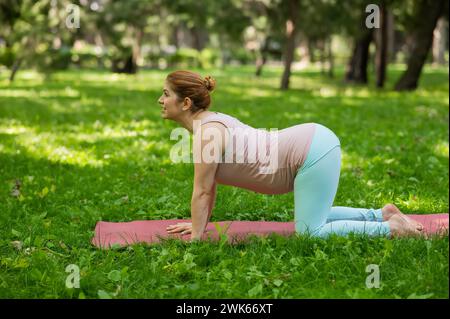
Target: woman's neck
188	120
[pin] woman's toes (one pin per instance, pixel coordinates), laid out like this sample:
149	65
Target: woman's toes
401	227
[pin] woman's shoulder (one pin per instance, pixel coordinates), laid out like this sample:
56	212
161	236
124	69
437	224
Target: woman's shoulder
216	117
212	131
213	119
226	119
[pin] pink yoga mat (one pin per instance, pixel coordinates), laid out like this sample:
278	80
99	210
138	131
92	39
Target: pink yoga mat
152	231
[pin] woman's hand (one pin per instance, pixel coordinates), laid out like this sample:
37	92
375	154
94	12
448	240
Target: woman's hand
183	228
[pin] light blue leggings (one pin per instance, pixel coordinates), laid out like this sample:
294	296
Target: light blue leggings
315	186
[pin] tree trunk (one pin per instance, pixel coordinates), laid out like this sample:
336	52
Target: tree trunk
136	50
195	39
322	49
391	37
260	62
176	42
291	32
357	66
312	57
262	59
428	14
15	67
130	65
126	65
199	37
223	52
381	50
98	40
440	36
330	57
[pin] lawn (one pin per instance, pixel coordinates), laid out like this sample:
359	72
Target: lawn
90	145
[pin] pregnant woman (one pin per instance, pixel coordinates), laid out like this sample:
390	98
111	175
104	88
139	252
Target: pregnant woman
308	163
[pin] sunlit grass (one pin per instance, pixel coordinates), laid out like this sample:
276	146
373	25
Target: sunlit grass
441	148
91	145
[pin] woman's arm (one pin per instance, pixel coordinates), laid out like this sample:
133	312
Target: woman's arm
203	197
213	200
186	228
200	213
204	193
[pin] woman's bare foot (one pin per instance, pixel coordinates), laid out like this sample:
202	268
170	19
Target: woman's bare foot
391	210
402	228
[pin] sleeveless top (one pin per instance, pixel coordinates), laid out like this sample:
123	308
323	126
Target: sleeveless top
285	153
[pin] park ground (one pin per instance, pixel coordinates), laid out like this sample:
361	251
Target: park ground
86	145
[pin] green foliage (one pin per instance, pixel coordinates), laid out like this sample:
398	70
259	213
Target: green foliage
90	56
184	57
192	58
209	58
242	55
60	59
7	56
228	18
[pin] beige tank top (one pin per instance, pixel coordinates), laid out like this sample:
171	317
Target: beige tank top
293	146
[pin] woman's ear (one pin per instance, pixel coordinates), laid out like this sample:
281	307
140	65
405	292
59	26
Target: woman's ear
187	104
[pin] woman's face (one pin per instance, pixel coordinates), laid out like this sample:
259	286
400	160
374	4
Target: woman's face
170	108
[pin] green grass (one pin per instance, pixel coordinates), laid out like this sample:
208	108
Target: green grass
90	146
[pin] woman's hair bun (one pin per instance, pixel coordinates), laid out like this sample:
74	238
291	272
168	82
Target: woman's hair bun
210	83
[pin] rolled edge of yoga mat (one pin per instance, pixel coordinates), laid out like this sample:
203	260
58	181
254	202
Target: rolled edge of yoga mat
154	231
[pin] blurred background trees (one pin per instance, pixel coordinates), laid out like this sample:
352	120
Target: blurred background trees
125	36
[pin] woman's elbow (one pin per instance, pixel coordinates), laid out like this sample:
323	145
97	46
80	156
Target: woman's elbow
202	193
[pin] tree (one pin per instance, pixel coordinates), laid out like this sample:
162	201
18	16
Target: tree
291	33
226	18
10	13
422	23
381	46
319	21
122	24
25	30
35	34
440	38
355	27
266	20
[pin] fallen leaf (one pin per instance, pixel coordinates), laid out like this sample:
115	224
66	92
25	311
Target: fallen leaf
29	250
15	191
43	193
17	244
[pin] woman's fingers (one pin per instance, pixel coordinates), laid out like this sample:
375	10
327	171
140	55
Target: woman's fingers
179	224
180	227
184	228
175	230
